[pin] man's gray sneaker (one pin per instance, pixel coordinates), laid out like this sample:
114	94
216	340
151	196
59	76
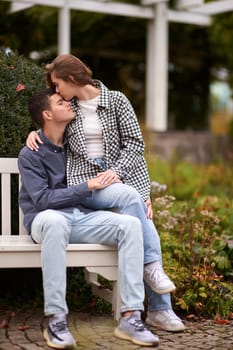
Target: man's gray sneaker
157	279
132	328
57	335
166	320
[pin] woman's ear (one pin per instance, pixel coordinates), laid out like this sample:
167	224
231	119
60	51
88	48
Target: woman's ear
71	78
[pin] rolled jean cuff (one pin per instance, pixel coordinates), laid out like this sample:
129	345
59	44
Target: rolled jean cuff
132	308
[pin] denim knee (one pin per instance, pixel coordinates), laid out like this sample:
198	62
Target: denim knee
51	225
131	228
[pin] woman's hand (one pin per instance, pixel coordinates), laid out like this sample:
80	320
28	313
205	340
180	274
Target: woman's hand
97	182
149	212
108	177
33	141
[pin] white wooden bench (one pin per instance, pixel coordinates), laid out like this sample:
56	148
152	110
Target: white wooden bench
17	250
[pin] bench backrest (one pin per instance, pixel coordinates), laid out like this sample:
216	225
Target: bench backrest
8	172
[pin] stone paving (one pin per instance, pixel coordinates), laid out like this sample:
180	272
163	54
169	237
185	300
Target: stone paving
22	330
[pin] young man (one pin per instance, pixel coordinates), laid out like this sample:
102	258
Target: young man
54	216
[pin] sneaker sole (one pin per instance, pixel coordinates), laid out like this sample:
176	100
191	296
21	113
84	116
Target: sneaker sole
164	291
55	346
168	329
122	335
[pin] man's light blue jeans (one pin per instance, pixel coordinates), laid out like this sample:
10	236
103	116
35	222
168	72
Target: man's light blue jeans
55	229
129	202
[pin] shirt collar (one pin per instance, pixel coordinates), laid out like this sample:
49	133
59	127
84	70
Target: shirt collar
103	98
51	145
104	94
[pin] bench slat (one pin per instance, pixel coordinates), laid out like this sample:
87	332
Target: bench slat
9	166
6	204
22	230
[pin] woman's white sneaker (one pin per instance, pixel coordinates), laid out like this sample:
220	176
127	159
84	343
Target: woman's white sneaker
166	320
157	279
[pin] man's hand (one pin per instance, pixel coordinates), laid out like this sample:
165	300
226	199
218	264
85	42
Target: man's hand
108	177
149	212
33	141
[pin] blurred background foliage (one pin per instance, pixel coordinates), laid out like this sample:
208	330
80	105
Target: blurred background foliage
114	47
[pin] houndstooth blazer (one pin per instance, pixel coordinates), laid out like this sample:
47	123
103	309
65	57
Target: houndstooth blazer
123	143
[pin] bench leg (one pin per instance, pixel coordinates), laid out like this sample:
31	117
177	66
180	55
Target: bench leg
112	297
116	302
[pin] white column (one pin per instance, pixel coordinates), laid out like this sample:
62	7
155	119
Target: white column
64	29
157	69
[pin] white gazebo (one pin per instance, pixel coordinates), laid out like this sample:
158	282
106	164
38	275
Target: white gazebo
158	15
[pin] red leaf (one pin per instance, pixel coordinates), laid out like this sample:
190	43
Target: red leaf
4	324
23	328
20	87
220	321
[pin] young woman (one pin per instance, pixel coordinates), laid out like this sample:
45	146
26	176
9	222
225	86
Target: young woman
105	139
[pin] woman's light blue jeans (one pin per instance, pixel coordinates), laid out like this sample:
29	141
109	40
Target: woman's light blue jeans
129	202
55	229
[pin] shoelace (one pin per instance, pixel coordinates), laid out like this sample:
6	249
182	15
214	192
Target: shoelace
158	274
171	315
139	325
59	327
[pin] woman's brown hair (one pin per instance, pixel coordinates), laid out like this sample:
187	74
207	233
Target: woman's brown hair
69	68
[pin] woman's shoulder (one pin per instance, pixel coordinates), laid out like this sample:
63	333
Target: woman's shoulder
107	91
119	97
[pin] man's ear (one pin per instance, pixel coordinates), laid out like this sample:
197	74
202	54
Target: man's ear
46	115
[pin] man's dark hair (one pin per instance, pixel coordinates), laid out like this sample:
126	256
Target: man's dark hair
38	103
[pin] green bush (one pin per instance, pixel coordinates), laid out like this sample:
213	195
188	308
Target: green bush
19	79
195	235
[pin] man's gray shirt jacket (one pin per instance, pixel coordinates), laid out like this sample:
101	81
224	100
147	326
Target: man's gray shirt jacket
43	176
